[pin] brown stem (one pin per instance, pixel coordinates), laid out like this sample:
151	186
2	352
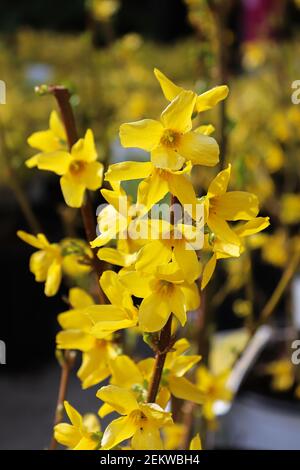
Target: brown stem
69	359
160	357
62	96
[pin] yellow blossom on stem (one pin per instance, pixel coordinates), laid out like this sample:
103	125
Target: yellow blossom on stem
46	263
203	102
78	169
162	294
76	334
120	314
171	140
82	434
196	443
140	421
212	388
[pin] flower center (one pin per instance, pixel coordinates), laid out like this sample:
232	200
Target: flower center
77	167
170	138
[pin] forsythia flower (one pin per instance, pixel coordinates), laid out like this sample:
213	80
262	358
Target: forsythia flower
196	443
232	205
120	314
82	434
78	169
212	388
77	326
203	102
282	373
136	377
48	141
140	421
162	294
46	263
171	140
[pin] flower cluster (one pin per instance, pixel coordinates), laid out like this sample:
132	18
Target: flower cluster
158	278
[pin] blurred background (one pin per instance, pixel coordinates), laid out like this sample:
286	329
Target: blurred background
104	51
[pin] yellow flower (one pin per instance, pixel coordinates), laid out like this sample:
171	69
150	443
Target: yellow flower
156	184
136	377
171	140
173	436
140	421
162	294
223	249
224	206
212	388
78	169
82	434
48	141
282	373
203	102
196	443
177	242
46	263
120	314
77	327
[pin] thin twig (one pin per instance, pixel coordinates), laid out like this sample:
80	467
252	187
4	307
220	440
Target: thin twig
160	357
66	367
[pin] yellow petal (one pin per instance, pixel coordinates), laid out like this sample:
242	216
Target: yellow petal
58	162
85	149
211	97
154	312
208	271
182	388
170	90
74	416
153	254
53	280
105	410
200	149
181	187
118	431
57	126
32	161
72	191
114	289
75	339
123	401
144	134
192	295
178	115
39	241
117	257
166	158
206	129
92	176
187	260
178	304
66	435
184	363
128	171
152	190
147	438
252	226
79	298
125	373
219	184
236	205
137	283
94	368
222	230
196	443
